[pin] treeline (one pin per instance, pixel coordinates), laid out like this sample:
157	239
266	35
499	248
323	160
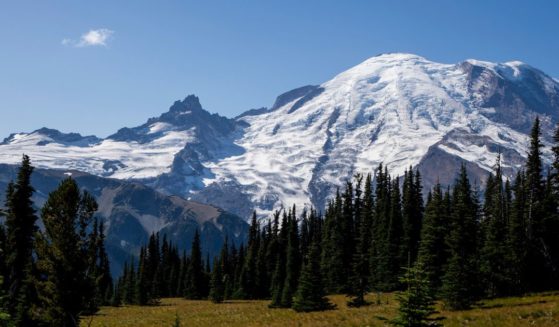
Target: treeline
468	246
163	272
53	276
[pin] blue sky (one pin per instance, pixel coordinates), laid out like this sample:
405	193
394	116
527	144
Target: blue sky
140	56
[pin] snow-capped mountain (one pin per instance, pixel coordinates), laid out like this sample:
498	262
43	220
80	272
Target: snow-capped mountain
399	109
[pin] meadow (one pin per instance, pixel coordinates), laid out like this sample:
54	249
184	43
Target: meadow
531	310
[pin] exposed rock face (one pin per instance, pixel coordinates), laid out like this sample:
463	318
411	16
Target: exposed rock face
132	211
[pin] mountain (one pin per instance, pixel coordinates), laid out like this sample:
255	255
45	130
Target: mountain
399	109
133	211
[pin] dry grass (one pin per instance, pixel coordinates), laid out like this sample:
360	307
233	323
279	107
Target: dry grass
536	310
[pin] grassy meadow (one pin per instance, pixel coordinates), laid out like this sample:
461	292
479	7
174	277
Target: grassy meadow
535	310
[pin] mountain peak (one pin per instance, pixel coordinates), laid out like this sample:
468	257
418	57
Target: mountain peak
398	56
191	102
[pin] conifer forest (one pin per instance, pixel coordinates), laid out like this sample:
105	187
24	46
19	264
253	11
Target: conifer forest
456	244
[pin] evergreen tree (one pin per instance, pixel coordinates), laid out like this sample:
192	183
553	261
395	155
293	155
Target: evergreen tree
391	256
20	234
293	260
278	277
416	302
551	223
5	320
347	228
359	280
433	251
195	277
249	275
217	288
494	250
412	212
3	268
142	286
310	295
129	291
534	181
66	288
460	281
333	253
534	211
379	252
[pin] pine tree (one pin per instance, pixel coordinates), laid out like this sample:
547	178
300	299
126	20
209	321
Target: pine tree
310	295
460	281
416	302
20	231
62	254
217	288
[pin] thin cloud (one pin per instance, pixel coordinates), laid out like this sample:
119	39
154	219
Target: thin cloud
92	38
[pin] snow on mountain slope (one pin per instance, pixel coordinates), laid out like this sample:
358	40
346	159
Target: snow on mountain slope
118	159
390	109
399	109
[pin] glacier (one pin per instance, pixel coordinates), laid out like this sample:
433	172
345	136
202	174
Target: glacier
398	109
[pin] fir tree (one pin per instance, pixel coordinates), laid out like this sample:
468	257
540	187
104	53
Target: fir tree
62	254
359	280
379	252
412	212
292	262
142	286
433	251
278	277
310	295
249	275
195	276
494	250
534	211
5	320
20	234
390	251
129	282
417	303
460	281
217	288
333	254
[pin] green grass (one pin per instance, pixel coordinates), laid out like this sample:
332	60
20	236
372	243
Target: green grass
535	310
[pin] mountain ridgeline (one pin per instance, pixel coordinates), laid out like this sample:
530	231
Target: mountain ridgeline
131	212
397	109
